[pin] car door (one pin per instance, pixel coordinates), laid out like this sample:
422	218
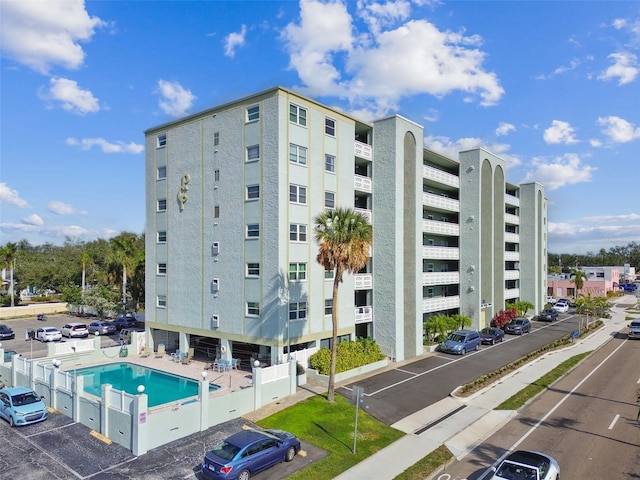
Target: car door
4	405
270	452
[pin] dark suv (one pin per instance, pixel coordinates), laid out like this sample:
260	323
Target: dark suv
128	321
518	326
548	315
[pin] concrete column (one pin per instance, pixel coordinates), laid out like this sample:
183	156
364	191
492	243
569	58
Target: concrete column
257	387
225	349
293	377
53	387
139	423
104	409
78	387
32	374
203	395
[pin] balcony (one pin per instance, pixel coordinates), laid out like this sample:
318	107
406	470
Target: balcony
511	256
440	253
511	293
511	200
363	281
511	274
430	173
440	278
511	219
363	150
364	314
437	304
511	237
439	201
441	228
362	184
365	213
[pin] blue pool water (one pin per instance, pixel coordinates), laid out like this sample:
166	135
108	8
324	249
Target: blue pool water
159	386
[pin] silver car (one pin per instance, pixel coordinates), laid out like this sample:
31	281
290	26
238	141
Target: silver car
48	334
634	329
75	330
523	464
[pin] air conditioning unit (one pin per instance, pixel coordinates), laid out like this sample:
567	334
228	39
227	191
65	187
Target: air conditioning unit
215	285
215	321
215	248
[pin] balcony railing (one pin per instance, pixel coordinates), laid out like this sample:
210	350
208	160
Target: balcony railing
362	184
363	281
440	201
511	293
440	176
364	314
440	278
363	150
365	213
440	253
441	228
512	219
511	274
511	200
436	304
511	237
512	256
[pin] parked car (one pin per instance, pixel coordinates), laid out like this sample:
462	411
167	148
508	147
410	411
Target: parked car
551	300
6	333
491	335
548	315
125	334
561	305
48	334
634	329
461	342
101	328
523	464
518	326
22	406
75	330
128	321
248	452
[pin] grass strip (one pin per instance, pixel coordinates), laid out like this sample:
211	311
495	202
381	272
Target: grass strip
530	391
429	464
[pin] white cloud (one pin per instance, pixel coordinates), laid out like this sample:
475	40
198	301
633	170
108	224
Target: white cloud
573	64
504	128
72	97
595	143
11	197
618	129
233	41
105	146
57	231
589	234
632	27
383	66
42	34
624	68
451	148
61	208
560	132
176	100
559	172
33	220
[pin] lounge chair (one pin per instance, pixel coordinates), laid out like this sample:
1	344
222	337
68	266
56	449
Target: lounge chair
145	352
186	359
161	351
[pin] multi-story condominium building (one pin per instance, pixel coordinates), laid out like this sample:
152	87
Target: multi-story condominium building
232	193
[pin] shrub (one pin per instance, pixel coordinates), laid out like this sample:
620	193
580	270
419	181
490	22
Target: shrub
350	355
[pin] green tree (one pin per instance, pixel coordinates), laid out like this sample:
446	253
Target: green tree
521	307
461	321
102	299
125	257
437	326
578	277
344	238
9	256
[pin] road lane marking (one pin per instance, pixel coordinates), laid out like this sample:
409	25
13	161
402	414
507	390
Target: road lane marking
493	467
613	422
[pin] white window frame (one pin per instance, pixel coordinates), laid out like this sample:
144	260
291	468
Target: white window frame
299	271
297	311
253	192
161	237
162	173
216	139
162	205
253	113
298	232
253	153
161	140
253	309
328	306
162	268
329	199
298	154
297	194
253	269
161	301
328	128
329	163
297	115
253	231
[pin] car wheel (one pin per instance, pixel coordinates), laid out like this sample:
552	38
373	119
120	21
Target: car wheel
290	455
463	351
244	475
11	424
477	347
493	342
502	339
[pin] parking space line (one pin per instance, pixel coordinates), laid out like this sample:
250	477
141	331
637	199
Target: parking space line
613	422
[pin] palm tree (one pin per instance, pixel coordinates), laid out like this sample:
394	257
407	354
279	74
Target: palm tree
9	257
344	238
578	279
85	259
126	255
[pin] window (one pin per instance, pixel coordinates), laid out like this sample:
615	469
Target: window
328	306
161	301
297	232
430	267
253	269
162	205
216	138
253	113
297	154
253	308
162	173
297	271
162	237
216	175
162	140
216	211
162	269
253	192
328	274
330	126
298	115
298	194
297	311
253	230
329	200
329	163
253	153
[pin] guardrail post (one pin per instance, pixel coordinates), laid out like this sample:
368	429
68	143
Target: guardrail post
104	409
257	385
203	394
139	429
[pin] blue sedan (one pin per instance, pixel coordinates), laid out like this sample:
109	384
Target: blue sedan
22	406
248	452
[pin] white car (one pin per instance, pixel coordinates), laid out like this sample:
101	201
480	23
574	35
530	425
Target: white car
561	306
75	330
523	464
48	334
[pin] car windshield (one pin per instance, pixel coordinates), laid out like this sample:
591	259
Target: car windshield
455	337
514	471
519	322
487	330
225	450
24	399
50	330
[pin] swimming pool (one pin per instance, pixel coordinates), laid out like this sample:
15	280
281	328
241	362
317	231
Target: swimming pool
160	387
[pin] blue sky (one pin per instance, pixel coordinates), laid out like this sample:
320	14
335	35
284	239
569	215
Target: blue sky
551	87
